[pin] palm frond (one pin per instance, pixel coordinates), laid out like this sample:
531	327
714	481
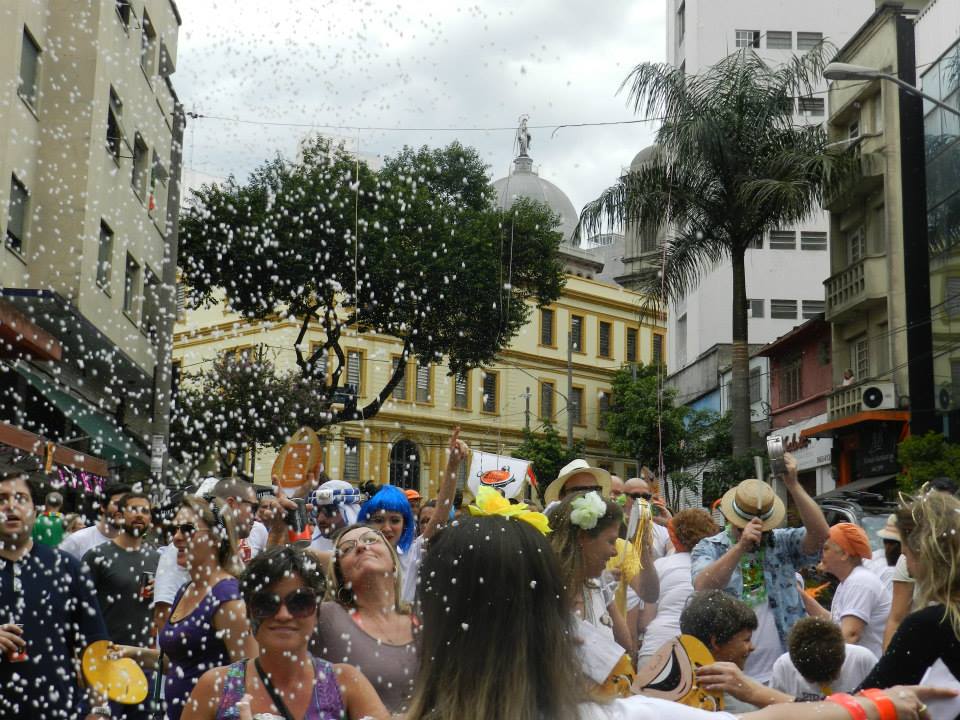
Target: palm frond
687	256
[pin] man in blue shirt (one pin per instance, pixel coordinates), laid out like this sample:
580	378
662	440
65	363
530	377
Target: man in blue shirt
48	615
756	561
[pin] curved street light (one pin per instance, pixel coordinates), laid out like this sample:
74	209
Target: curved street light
846	71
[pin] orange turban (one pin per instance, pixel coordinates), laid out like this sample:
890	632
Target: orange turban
852	540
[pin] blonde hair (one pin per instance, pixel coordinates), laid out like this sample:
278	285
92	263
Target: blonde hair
930	526
224	528
565	539
339	590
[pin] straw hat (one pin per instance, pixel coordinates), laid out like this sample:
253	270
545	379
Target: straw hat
752	498
890	531
576	467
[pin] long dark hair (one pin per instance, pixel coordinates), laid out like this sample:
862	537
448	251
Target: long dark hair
497	640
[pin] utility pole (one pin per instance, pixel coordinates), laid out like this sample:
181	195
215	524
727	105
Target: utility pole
633	374
569	391
916	251
526	412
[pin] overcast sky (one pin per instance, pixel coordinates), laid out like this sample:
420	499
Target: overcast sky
412	64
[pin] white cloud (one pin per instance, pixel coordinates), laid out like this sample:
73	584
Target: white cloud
424	64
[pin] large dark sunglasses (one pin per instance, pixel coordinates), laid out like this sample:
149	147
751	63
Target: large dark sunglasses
592	488
300	603
641	496
185	529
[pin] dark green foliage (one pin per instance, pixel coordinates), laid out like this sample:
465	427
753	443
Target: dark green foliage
927	457
548	452
417	251
236	404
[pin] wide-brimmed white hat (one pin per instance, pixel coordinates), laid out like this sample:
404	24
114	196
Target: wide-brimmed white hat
751	499
575	467
890	531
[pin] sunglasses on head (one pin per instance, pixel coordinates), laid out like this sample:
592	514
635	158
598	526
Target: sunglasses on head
300	603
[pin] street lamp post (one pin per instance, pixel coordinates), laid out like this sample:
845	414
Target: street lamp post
916	252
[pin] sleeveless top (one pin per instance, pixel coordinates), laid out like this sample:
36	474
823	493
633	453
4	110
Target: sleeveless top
192	646
391	669
326	703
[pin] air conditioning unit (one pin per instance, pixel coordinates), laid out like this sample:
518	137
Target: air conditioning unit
879	396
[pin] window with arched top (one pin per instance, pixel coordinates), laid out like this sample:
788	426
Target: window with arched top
405	465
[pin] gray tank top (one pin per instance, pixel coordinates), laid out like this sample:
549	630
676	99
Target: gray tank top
391	669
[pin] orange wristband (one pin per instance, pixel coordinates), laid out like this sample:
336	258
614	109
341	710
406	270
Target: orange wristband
885	706
848	703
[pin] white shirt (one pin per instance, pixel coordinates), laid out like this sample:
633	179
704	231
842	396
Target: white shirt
662	545
857	664
639	707
170	576
862	595
878	566
766	644
257	539
675	588
83	540
410	569
900	571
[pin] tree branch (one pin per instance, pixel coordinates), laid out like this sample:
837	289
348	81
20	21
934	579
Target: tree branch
349	411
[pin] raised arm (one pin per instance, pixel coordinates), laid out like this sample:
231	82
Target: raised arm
716	576
457	455
810	513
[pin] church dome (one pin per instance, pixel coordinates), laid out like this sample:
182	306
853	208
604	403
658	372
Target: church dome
524	182
644	156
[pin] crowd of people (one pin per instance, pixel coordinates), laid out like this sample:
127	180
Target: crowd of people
391	607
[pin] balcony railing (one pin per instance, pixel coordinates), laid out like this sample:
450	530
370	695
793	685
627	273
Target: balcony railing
861	282
844	401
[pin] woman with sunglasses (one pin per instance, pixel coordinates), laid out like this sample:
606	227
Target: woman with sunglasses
366	623
281	588
208	624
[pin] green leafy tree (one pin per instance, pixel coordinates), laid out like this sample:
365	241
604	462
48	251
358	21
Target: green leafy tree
547	452
417	251
926	457
234	405
644	420
731	165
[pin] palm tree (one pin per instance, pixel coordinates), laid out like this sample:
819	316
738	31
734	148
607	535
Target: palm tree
731	165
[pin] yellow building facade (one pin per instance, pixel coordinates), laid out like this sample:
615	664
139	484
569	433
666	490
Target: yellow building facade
405	442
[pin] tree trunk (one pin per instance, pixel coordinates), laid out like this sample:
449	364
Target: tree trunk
739	386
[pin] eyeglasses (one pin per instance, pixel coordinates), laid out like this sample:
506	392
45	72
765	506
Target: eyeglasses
300	603
367	539
641	496
185	529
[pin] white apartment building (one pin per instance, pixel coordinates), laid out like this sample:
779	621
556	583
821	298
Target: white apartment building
90	131
786	270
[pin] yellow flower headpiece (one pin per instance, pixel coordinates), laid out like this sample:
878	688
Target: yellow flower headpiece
490	502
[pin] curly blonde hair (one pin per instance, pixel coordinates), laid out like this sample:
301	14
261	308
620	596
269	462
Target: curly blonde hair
930	527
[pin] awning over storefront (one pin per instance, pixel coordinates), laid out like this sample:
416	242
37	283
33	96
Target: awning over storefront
828	429
110	441
32	444
23	338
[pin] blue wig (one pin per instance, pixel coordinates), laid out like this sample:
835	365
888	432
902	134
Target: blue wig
390	499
